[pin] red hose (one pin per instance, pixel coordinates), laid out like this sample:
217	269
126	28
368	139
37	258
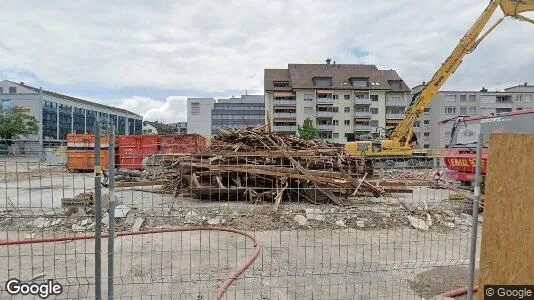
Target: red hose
460	292
221	290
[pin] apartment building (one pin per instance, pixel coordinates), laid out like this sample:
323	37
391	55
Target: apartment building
59	115
451	104
342	100
206	116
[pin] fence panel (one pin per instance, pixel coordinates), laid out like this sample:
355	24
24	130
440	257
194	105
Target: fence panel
325	227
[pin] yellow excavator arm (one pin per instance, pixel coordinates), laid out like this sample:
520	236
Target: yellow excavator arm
403	133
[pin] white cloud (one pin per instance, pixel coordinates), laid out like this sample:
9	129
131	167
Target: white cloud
215	47
172	109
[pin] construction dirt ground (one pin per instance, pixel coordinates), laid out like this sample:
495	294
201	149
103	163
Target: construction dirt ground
374	246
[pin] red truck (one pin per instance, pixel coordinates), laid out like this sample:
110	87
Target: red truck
460	156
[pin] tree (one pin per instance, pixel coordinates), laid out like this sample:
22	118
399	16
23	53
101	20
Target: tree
15	122
307	131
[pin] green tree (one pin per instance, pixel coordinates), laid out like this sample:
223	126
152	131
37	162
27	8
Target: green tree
14	123
307	131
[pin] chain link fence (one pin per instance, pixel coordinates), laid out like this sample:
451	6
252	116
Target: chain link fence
262	230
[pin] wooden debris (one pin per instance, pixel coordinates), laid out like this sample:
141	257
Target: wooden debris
257	165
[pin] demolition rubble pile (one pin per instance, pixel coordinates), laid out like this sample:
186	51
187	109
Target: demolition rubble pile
258	165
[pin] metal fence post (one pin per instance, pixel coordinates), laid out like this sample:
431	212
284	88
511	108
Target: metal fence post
111	222
98	215
474	220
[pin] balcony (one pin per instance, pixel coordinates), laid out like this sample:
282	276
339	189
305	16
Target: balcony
325	114
362	114
285	128
325	100
362	101
285	115
284	102
327	127
396	102
395	116
359	127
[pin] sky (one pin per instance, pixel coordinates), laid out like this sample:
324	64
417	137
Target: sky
149	56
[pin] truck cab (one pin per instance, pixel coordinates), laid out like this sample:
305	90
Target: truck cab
460	156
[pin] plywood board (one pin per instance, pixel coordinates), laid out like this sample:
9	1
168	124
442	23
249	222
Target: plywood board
507	251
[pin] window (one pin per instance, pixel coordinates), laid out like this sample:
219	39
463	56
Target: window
308	97
416	123
322	81
426	146
359	82
374	123
463	110
195	108
426	134
374	97
347	109
505	98
502	110
6	104
308	110
450	98
395	84
463	98
472	98
347	122
472	110
335	96
335	109
519	108
374	111
12	90
427	109
335	122
335	135
450	110
426	122
281	83
347	97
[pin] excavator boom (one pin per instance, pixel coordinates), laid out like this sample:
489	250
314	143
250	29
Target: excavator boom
404	130
401	141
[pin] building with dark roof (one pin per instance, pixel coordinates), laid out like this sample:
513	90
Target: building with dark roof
342	100
59	114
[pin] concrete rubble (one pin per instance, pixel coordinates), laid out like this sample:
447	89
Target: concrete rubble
6	221
301	220
78	228
138	224
314	214
121	211
192	218
39	223
214	221
418	223
340	223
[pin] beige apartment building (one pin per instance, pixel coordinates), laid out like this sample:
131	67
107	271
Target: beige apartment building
342	100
